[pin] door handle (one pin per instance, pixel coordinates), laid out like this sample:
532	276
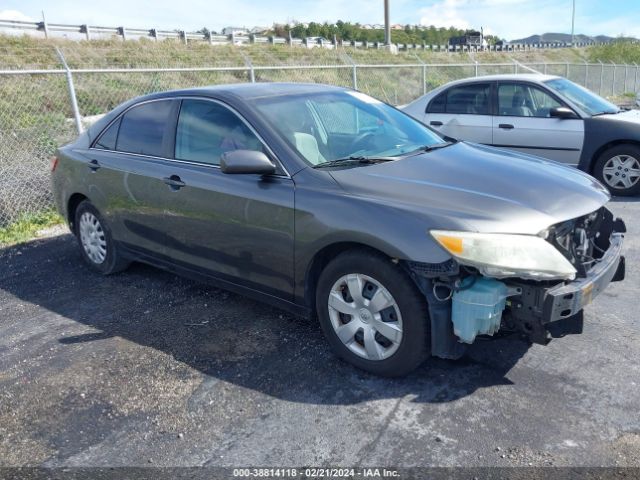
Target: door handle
94	165
174	182
506	126
436	123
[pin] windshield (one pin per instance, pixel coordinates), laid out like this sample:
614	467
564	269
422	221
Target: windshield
342	124
581	97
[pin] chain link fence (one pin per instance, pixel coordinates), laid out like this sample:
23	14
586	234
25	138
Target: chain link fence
37	111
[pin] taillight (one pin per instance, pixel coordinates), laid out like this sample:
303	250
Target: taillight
54	163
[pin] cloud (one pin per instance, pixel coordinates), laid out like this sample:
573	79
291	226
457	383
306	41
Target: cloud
215	14
15	15
505	18
445	14
513	19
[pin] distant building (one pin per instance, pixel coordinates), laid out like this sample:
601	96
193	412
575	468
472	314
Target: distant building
259	30
397	26
235	31
367	26
470	39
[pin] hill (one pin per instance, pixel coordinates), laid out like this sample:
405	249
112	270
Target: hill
563	38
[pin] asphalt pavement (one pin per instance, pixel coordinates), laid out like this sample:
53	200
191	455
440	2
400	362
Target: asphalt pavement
146	368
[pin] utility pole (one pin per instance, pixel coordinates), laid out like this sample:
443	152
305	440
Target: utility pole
573	23
387	25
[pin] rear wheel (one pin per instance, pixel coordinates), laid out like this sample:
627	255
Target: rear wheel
97	247
618	168
373	314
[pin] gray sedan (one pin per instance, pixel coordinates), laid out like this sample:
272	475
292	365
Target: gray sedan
329	203
542	115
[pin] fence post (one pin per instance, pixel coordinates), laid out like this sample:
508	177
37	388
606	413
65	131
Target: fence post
250	70
601	77
545	68
613	84
476	68
424	74
567	71
586	75
626	73
45	26
424	78
72	92
354	71
86	30
635	80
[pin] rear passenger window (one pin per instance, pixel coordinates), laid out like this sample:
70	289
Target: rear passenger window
143	129
107	140
207	129
438	104
469	99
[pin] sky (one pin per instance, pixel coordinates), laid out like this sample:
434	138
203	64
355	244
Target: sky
508	19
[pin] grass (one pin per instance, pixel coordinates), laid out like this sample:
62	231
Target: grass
27	226
616	52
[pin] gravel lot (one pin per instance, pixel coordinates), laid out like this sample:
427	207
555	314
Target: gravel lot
145	368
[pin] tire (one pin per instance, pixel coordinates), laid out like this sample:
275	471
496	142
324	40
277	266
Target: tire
613	169
381	284
97	247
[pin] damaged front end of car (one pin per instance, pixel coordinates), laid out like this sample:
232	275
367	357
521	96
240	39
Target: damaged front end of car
534	285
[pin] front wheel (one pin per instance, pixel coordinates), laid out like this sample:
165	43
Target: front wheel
618	168
373	314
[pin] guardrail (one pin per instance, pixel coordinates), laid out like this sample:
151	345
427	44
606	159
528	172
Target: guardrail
89	32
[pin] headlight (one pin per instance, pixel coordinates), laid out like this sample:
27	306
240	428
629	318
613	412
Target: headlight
504	255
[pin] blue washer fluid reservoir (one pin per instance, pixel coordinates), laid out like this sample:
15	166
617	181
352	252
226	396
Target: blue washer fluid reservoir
477	307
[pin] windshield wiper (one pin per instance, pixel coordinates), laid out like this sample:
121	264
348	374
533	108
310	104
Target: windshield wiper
606	113
354	160
430	148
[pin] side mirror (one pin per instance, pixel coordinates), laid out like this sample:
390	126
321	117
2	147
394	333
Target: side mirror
246	161
562	112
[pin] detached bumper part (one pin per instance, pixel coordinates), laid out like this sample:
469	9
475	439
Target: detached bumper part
565	301
545	312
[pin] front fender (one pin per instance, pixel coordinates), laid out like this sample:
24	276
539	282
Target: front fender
396	231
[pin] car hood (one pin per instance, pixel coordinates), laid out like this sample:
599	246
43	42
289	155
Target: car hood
479	188
629	116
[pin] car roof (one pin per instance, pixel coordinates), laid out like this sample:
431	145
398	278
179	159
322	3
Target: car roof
532	77
251	90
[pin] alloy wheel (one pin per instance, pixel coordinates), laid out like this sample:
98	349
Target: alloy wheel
621	172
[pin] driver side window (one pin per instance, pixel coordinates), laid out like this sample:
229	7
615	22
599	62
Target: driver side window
207	129
522	100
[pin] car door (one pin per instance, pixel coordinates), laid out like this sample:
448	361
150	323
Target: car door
523	123
238	227
463	112
131	155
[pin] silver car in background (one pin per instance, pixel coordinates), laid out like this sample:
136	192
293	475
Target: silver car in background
542	115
